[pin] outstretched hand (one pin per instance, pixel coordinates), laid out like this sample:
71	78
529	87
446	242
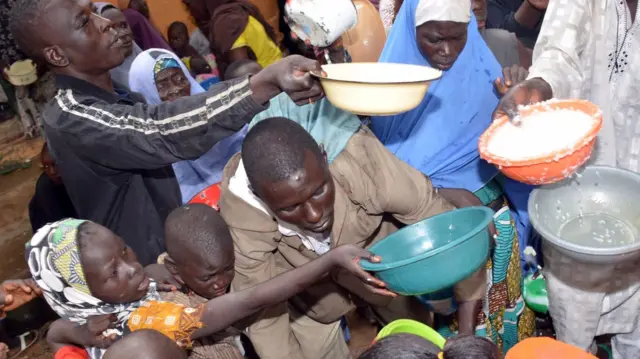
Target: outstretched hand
461	198
348	257
94	329
165	282
292	76
525	93
14	293
512	76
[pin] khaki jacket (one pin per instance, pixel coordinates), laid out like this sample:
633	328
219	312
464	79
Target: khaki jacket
373	189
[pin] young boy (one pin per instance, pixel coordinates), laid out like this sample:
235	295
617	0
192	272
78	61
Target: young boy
286	200
178	35
200	258
145	344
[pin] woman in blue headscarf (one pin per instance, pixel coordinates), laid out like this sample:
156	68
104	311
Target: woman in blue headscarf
440	138
160	76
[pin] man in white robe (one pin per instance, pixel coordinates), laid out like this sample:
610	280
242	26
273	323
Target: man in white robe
590	49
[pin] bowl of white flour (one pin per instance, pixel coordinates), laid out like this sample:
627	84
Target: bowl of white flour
547	143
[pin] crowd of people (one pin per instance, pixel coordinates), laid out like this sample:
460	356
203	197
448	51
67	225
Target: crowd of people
141	126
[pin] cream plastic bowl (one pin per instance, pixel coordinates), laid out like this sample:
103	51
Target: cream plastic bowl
373	88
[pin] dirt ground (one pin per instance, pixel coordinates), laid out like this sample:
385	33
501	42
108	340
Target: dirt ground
16	190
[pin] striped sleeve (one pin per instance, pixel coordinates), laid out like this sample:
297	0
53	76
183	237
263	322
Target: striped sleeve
142	136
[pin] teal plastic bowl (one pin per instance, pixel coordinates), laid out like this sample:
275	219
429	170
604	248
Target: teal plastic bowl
435	253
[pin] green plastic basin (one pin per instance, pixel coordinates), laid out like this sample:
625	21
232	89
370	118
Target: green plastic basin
435	253
408	326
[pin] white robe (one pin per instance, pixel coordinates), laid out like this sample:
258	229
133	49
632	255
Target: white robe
589	49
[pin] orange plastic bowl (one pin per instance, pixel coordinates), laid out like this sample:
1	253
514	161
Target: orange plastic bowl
552	167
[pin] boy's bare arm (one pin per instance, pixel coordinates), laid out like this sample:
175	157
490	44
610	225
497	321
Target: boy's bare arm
226	310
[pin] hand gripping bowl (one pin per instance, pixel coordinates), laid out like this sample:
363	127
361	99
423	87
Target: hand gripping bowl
610	193
374	88
551	167
435	253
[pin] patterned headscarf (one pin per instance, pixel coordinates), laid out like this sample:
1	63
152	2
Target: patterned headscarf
54	261
165	62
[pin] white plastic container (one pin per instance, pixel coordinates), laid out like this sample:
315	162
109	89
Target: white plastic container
320	22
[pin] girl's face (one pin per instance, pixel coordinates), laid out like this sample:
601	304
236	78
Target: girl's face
111	269
172	84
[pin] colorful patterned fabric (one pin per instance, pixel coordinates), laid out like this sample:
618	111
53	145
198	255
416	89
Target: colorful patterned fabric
504	318
54	262
225	344
165	62
173	320
65	255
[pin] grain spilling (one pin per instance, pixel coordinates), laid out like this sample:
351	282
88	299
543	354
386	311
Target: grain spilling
540	134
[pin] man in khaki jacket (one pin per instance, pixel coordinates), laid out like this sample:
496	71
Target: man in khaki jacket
285	204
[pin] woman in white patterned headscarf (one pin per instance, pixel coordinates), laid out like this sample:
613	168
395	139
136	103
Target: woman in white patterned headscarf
146	73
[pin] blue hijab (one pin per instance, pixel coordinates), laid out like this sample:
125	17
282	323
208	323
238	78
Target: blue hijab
440	136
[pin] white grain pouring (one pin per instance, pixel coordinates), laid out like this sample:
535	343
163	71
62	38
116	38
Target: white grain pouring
540	134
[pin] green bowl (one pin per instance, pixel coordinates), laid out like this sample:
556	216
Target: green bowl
535	294
435	253
408	326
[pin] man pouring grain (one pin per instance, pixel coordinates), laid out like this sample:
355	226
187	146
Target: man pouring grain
588	49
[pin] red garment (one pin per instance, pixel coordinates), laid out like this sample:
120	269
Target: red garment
71	352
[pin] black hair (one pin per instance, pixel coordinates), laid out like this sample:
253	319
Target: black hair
200	66
196	229
274	150
145	343
405	346
409	346
177	25
239	69
23	19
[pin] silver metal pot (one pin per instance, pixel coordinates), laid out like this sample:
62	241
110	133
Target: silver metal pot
597	190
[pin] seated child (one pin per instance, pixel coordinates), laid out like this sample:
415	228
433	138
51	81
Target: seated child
203	68
200	258
409	346
178	36
145	344
85	270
